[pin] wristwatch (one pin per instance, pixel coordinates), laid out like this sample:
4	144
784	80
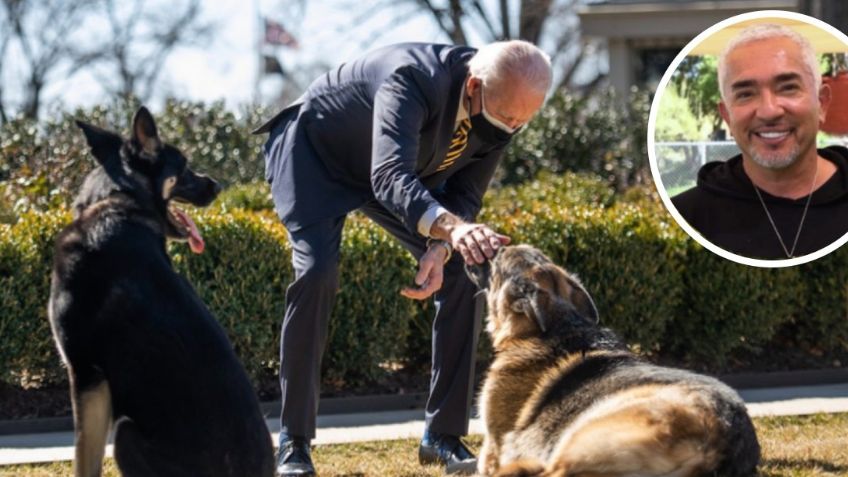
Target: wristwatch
443	243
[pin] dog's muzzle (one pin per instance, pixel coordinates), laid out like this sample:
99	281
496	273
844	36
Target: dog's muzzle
480	274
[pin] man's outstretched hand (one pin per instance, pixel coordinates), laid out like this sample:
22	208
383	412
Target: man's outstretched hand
476	242
430	274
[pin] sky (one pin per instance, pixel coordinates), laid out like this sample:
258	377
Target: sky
323	28
329	31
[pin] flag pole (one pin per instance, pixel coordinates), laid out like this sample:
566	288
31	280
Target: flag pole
259	32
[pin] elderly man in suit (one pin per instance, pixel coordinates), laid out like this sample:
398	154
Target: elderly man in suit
410	135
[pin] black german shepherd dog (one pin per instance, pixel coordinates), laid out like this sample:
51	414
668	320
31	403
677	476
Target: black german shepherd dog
142	350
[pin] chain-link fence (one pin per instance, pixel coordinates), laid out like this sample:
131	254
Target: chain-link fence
678	162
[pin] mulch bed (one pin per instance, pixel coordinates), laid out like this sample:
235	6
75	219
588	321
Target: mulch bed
18	403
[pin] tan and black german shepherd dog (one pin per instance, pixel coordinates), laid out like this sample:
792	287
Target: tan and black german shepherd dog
565	398
144	354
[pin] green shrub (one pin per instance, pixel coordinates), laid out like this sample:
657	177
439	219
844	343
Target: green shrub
632	261
727	306
216	141
242	277
28	354
823	322
44	164
553	189
665	294
629	260
371	320
603	134
254	196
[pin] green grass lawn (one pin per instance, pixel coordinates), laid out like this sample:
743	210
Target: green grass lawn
802	446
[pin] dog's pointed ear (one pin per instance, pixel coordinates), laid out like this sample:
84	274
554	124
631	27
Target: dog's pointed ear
582	301
105	145
534	303
569	288
144	132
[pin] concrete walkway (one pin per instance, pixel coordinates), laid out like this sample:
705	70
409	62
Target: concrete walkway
340	428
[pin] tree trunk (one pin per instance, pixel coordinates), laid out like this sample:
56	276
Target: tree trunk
32	104
532	18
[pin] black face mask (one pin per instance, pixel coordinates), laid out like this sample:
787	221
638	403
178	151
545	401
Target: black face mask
488	132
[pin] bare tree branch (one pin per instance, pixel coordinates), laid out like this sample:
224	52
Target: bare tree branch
141	43
456	13
487	23
400	17
506	31
46	33
553	21
438	15
5	36
531	19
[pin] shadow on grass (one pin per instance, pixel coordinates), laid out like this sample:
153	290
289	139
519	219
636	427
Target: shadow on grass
777	467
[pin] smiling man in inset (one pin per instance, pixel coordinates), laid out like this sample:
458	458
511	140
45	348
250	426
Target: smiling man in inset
782	197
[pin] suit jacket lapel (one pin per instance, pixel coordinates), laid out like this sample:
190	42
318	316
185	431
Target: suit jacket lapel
458	72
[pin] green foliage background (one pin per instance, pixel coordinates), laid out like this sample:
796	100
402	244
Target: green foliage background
667	296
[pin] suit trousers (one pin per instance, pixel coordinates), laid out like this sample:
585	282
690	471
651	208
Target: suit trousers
309	302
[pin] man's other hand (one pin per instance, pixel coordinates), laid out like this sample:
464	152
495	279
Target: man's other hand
430	274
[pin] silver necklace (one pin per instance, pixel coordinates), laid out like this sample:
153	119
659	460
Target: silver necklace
789	253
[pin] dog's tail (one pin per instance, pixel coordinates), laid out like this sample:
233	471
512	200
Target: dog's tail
522	468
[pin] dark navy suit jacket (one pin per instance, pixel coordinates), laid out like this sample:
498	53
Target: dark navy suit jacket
378	128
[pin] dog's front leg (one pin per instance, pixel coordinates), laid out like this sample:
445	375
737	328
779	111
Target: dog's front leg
498	417
487	464
92	418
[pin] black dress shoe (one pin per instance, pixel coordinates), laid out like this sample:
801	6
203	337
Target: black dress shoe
293	459
446	450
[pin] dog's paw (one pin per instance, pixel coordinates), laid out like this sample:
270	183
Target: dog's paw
487	463
521	468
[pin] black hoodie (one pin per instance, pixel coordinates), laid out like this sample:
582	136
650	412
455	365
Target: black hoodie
725	209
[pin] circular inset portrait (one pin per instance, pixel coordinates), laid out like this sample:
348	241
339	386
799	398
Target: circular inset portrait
747	137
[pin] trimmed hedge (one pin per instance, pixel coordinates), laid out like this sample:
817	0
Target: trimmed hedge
664	293
247	296
729	307
603	133
820	324
242	277
43	163
616	254
27	353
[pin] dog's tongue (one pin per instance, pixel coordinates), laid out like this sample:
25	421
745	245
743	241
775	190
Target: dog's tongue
195	241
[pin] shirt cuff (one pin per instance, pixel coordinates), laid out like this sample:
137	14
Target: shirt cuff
427	219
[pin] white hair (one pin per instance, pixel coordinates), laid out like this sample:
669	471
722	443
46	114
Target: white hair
503	60
766	31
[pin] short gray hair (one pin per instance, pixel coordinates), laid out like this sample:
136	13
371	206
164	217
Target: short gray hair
501	60
766	31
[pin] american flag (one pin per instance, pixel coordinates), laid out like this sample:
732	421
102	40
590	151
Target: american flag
271	65
276	34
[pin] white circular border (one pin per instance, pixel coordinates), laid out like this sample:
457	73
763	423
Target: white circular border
652	119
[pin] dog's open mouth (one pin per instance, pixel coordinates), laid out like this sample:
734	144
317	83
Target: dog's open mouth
185	226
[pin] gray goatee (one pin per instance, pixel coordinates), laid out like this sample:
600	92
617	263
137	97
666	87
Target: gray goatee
776	160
